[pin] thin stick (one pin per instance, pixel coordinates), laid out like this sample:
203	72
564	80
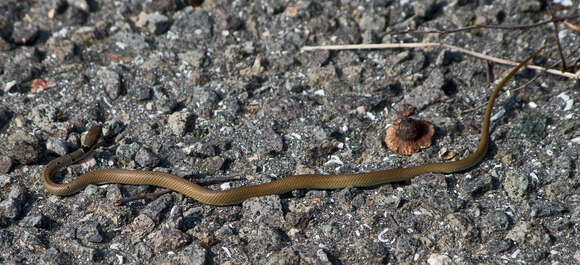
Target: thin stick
504	27
435	44
563	60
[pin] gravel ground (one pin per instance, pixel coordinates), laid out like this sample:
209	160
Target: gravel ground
220	89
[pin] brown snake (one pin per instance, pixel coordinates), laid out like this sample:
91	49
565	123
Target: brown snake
279	186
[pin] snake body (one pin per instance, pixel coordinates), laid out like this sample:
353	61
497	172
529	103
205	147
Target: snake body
279	186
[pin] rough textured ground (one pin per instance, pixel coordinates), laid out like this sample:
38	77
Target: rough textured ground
222	89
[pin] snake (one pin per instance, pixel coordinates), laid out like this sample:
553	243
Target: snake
237	195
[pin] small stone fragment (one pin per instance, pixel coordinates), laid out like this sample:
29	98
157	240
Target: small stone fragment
195	253
181	122
57	146
38	221
90	233
143	93
111	81
5	116
61	49
498	246
146	158
25	147
517	185
155	23
168	240
12	207
6	164
479	185
24	33
541	208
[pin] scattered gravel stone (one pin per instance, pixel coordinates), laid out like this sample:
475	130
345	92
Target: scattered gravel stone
17	73
266	209
168	240
195	58
38	221
12	207
57	146
495	221
5	116
127	152
271	141
143	93
286	256
406	246
24	33
499	246
80	4
6	239
5	180
164	6
371	21
157	207
141	226
478	186
26	148
181	122
164	102
531	127
128	40
270	238
202	150
6	164
61	49
517	185
90	233
211	165
555	191
54	256
195	253
111	81
4	45
446	57
155	23
541	208
74	16
420	97
146	158
112	128
193	25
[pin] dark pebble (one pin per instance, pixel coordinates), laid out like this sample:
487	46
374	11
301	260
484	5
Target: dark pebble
24	33
479	185
5	116
11	207
498	246
90	233
143	93
156	208
6	164
146	158
26	148
169	240
541	208
111	81
38	221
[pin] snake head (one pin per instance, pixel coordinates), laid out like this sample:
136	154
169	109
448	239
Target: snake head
93	137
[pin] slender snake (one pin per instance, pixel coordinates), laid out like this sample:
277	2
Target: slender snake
279	186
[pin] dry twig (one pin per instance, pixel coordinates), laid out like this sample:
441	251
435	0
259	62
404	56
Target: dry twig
435	44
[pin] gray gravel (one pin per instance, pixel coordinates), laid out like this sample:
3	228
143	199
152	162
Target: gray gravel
222	89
